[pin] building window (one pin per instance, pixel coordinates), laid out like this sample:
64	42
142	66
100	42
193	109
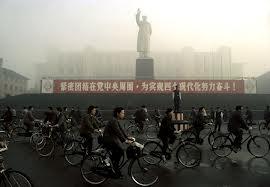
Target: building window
11	87
6	86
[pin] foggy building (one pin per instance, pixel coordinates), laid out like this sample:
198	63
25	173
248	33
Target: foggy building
263	86
185	64
11	83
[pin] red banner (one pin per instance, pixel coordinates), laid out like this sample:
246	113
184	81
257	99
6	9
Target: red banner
148	86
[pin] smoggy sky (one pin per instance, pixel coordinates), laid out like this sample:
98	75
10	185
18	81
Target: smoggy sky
30	27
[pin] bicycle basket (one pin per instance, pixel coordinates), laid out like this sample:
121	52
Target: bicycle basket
133	152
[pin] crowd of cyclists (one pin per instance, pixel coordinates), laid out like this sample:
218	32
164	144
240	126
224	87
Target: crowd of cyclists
114	135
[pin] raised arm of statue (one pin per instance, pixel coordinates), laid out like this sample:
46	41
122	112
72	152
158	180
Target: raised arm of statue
138	16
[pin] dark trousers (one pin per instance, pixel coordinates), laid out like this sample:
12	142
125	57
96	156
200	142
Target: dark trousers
218	125
117	153
197	133
238	137
88	141
166	141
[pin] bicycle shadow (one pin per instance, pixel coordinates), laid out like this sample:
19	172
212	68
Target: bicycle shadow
259	166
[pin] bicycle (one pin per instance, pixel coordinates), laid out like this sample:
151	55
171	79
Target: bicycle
223	145
207	131
11	177
149	130
187	153
79	151
47	145
97	167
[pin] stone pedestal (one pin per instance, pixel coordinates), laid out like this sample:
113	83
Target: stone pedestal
144	69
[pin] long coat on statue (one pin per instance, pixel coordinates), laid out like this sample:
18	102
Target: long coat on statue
145	31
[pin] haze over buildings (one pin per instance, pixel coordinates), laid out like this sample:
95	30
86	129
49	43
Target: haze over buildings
33	27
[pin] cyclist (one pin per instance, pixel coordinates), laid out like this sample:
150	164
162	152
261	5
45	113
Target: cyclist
266	116
29	119
218	119
199	123
249	116
50	116
113	138
166	132
89	125
141	116
193	115
7	118
235	126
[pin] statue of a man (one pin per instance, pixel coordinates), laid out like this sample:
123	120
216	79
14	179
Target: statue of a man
145	31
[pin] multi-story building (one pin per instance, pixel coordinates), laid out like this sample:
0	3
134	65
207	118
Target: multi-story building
11	83
92	64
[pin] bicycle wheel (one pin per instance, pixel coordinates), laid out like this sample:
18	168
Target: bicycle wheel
90	167
143	173
18	134
264	128
133	131
204	132
15	178
151	131
258	146
68	140
211	137
35	139
188	136
152	152
189	155
222	146
75	155
45	148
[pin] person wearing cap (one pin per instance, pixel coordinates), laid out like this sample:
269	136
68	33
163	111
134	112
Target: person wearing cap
177	100
166	132
89	125
235	126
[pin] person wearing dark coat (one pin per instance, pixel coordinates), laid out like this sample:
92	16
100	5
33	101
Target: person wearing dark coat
166	132
199	123
141	116
236	124
113	138
89	125
7	118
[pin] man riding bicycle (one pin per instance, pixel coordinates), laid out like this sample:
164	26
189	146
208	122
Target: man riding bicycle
29	119
89	125
113	138
235	126
166	132
141	116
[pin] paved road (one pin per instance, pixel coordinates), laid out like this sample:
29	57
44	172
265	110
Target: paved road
239	169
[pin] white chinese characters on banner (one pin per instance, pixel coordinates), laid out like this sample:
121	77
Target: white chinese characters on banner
130	86
159	86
